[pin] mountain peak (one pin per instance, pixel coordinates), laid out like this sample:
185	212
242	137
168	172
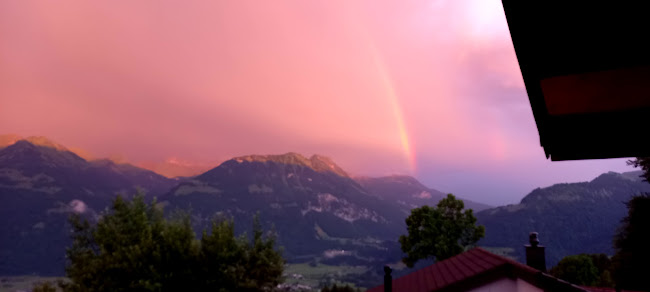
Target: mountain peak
287	158
316	162
24	152
10	139
636	175
404	178
400	179
44	141
323	163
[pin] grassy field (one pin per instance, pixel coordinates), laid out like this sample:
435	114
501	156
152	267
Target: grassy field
313	275
303	273
22	283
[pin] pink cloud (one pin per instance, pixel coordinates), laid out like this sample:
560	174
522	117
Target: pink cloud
206	80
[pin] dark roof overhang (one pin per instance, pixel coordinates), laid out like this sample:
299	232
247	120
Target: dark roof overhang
586	67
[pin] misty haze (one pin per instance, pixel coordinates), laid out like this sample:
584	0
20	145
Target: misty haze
335	146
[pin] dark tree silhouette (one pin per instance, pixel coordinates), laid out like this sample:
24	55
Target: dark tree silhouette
577	269
439	233
631	244
644	163
135	248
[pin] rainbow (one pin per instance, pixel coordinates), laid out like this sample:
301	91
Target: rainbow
393	99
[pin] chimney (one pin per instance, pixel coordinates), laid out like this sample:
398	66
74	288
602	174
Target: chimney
388	279
535	256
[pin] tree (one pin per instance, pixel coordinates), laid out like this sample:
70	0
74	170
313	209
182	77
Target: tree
44	287
135	248
254	266
439	233
577	269
604	265
631	245
644	163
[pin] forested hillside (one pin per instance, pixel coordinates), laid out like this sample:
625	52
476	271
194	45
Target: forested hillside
571	218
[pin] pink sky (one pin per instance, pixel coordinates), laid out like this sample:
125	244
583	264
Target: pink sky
427	88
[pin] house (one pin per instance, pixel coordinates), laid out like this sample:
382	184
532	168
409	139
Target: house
479	270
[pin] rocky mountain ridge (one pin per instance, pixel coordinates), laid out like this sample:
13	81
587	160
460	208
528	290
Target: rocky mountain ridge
571	218
318	163
407	193
316	207
320	213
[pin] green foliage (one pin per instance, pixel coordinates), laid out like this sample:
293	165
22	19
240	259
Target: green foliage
605	279
439	233
571	218
44	287
604	266
336	288
631	244
644	163
585	269
577	269
135	248
257	265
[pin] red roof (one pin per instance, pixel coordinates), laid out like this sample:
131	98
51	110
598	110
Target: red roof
472	269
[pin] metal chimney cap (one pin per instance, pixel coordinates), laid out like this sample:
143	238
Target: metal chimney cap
533	238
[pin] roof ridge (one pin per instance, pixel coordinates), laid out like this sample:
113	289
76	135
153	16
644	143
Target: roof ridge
476	263
483	258
477	256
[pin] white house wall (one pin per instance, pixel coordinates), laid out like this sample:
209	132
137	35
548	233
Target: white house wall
507	285
523	286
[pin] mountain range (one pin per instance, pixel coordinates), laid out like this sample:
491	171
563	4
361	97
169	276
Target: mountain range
40	186
320	213
313	204
407	193
571	218
171	167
